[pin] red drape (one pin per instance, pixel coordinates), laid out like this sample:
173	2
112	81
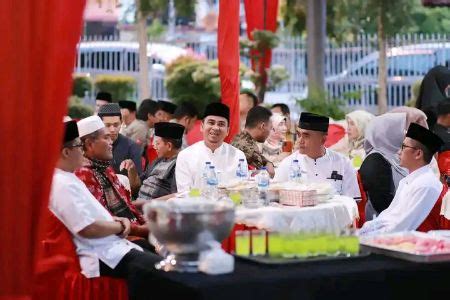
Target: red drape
228	53
36	58
254	17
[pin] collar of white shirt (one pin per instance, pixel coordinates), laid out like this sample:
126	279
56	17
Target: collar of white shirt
218	150
319	159
412	176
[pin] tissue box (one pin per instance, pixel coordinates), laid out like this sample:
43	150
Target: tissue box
299	197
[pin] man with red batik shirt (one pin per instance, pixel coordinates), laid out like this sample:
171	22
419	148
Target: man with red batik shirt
101	180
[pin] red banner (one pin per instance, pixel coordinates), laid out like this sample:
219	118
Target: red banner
37	58
228	53
254	16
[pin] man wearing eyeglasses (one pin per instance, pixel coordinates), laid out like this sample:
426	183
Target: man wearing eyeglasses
417	201
99	237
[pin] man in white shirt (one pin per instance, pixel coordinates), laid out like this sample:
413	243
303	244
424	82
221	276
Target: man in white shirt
317	163
99	238
191	161
413	205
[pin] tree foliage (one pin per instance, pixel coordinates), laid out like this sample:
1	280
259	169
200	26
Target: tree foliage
121	87
155	8
195	81
264	79
347	18
320	103
78	110
81	84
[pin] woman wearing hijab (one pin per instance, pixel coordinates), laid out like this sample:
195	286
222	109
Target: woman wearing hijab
434	88
413	115
272	148
357	122
380	171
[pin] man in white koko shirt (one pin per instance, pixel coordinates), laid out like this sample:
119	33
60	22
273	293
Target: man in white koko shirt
224	157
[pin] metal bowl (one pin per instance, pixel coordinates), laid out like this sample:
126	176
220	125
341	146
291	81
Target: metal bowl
186	226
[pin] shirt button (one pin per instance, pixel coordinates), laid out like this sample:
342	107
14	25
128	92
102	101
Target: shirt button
317	174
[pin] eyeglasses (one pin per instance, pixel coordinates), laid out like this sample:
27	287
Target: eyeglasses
406	146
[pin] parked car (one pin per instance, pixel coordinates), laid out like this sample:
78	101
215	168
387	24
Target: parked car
405	65
112	56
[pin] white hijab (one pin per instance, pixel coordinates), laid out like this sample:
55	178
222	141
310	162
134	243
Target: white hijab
385	135
361	118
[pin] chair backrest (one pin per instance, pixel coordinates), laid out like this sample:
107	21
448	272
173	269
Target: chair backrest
58	273
434	219
444	165
362	203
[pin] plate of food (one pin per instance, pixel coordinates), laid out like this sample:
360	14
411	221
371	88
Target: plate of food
412	246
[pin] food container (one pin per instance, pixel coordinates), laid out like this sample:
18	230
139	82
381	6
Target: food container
412	246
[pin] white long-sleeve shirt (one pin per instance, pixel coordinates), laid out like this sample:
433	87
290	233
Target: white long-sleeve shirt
73	204
322	170
416	195
191	163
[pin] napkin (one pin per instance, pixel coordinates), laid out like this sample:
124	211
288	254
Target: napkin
215	261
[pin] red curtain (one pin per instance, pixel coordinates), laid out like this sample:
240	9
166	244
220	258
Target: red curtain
228	53
36	58
254	16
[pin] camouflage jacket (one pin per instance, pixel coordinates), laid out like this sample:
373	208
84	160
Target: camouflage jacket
244	142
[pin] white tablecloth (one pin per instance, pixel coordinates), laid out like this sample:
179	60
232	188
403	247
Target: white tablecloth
331	217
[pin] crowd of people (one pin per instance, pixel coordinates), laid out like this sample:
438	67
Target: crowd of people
113	162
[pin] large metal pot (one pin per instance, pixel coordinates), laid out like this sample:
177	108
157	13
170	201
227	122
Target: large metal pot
186	226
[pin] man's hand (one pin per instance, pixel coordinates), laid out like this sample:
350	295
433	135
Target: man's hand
270	169
125	223
128	165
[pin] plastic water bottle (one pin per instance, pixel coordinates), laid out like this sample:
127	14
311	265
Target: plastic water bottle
263	185
242	170
211	184
205	173
294	171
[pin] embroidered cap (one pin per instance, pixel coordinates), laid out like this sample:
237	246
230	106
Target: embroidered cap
109	110
89	125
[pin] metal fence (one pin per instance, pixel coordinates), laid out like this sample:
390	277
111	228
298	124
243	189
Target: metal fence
349	66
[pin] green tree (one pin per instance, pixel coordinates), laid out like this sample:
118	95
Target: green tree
264	79
389	17
345	18
155	10
78	110
196	81
350	17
